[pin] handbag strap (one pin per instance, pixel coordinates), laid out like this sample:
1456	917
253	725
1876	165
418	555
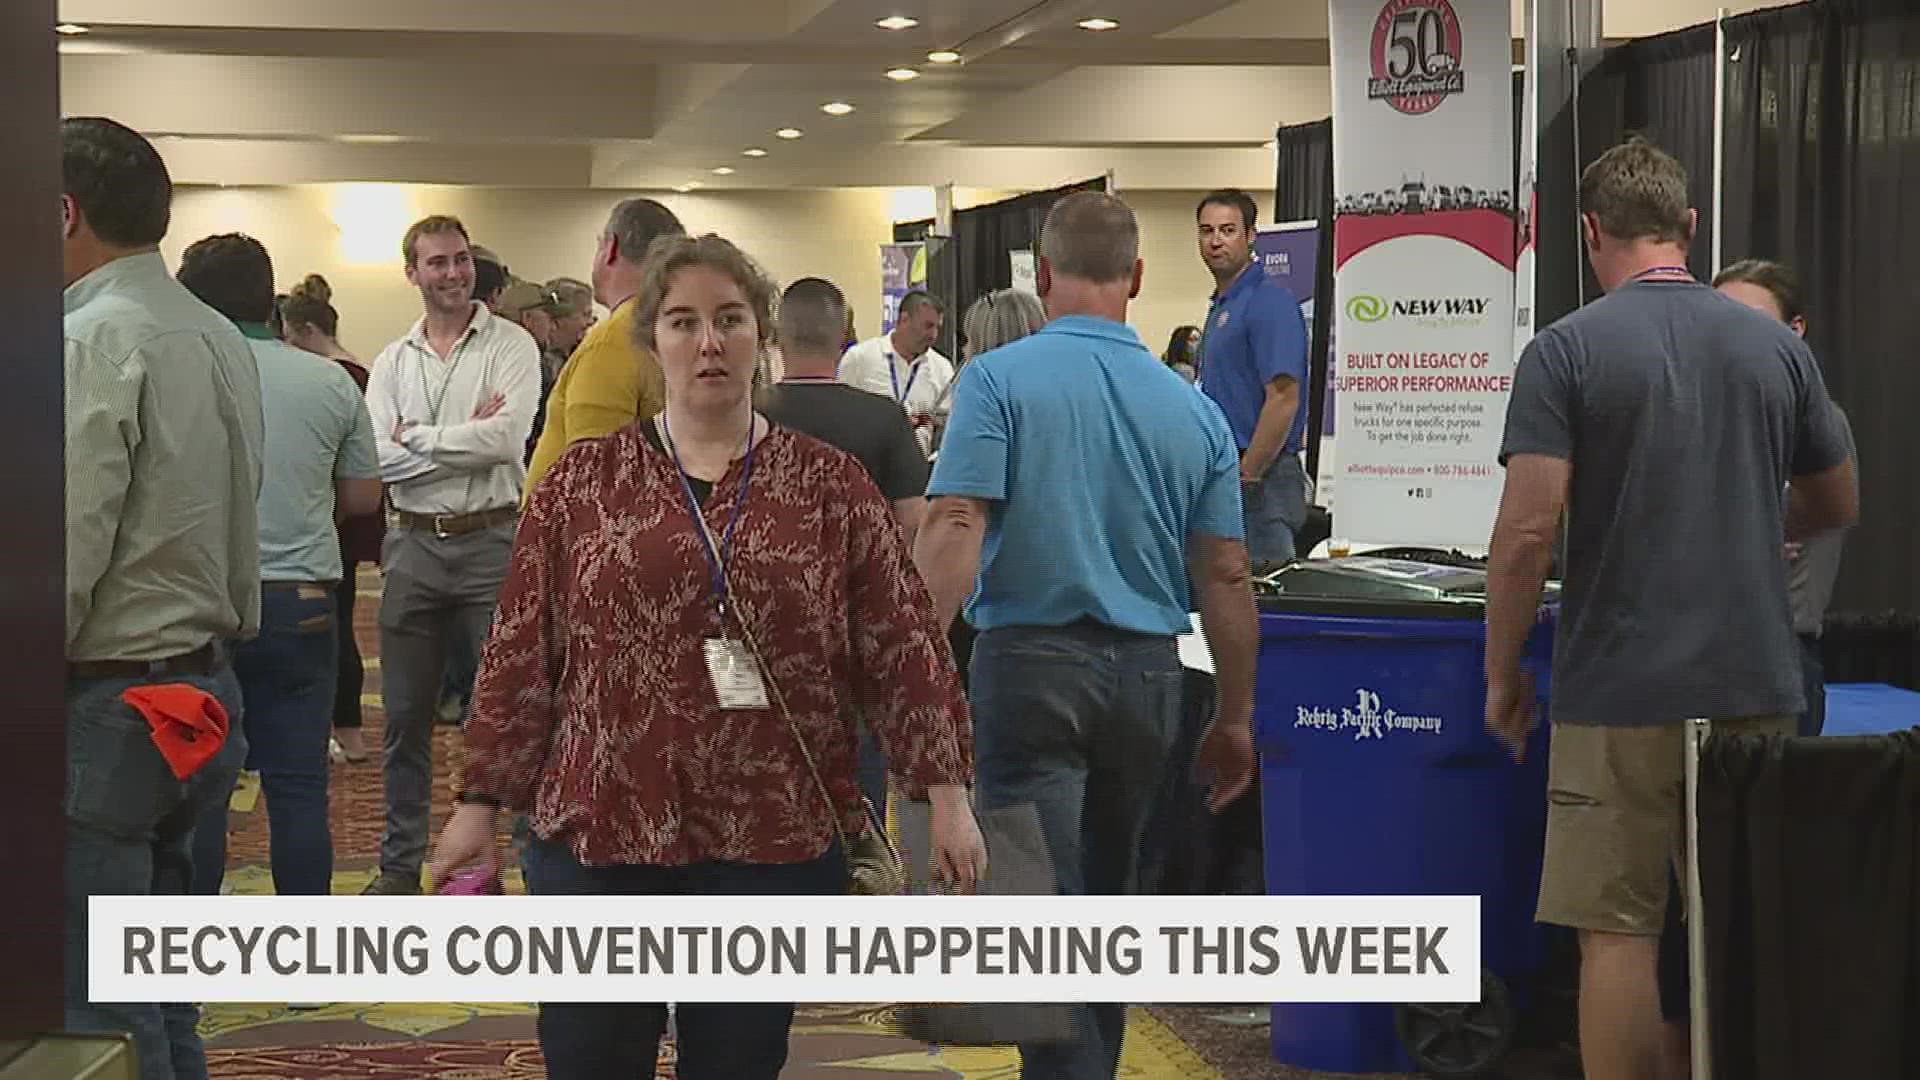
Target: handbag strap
773	686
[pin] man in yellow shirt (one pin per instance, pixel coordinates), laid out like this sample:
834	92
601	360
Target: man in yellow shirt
610	381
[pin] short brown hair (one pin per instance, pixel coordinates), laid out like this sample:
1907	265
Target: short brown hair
1638	191
1776	277
1092	236
673	253
430	226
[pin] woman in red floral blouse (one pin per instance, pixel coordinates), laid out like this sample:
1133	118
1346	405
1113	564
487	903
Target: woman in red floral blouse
618	702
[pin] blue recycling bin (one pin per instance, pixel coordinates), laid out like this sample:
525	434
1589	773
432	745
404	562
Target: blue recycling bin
1378	778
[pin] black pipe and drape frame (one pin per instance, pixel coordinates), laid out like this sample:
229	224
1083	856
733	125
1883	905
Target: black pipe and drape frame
976	258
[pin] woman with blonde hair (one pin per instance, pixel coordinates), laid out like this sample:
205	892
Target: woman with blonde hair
693	602
1000	317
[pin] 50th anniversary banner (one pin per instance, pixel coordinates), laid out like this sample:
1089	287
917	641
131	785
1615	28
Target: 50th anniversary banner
1424	246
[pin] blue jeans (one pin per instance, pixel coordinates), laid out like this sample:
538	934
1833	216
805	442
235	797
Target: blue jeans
1275	510
130	833
715	1042
1079	721
288	678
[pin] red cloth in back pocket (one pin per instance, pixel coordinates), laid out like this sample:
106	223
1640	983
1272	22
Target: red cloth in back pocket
188	724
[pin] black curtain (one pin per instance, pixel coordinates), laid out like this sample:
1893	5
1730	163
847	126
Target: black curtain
1660	88
1303	191
984	236
1810	878
1823	172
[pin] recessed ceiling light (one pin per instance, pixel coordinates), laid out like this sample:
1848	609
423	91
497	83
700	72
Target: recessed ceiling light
683	188
789	133
836	108
69	29
754	151
1098	24
897	22
944	56
724	170
902	74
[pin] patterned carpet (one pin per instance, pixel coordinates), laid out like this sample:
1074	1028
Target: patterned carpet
455	1041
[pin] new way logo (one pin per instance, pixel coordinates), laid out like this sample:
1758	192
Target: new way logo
1368	309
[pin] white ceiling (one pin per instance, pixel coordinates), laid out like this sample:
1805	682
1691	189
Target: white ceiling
659	93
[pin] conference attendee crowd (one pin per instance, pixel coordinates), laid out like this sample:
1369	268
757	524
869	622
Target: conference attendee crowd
707	582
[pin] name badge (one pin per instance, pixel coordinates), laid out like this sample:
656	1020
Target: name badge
736	675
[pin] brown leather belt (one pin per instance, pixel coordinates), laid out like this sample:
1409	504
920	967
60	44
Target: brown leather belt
445	525
200	661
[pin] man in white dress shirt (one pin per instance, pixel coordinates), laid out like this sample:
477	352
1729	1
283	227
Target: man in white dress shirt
904	366
452	404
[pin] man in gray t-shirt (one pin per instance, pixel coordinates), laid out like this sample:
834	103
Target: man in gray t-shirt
1664	423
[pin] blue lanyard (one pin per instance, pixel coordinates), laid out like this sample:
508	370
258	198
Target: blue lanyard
716	560
913	372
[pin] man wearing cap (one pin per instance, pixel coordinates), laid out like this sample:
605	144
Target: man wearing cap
611	381
538	310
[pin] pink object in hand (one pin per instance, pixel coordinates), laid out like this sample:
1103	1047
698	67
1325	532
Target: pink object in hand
474	882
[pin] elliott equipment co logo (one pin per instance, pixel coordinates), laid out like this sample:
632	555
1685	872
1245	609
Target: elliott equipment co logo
1416	55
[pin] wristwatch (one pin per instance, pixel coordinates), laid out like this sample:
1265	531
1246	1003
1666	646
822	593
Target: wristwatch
474	798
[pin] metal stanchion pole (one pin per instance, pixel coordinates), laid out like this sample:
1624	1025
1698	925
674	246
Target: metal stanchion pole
1701	1033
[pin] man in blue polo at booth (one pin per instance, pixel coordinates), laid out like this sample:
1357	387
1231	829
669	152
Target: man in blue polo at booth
1253	362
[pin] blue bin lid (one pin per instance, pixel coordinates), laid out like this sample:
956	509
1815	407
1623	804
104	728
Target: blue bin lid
1372	587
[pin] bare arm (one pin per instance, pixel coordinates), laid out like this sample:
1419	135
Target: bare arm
354	498
1218	570
1520	555
947	552
1223	591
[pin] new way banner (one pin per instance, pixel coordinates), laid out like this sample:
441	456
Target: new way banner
1423	265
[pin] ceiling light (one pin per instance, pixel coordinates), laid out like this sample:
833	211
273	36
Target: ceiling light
836	108
944	56
724	170
69	29
683	188
1098	24
789	133
754	151
897	22
1270	144
902	74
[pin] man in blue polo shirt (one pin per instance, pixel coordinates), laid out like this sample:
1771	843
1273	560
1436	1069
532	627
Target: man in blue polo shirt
1087	499
1253	362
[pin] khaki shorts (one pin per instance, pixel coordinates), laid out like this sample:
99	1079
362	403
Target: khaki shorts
1616	822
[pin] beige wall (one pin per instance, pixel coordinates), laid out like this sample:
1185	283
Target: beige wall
351	233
